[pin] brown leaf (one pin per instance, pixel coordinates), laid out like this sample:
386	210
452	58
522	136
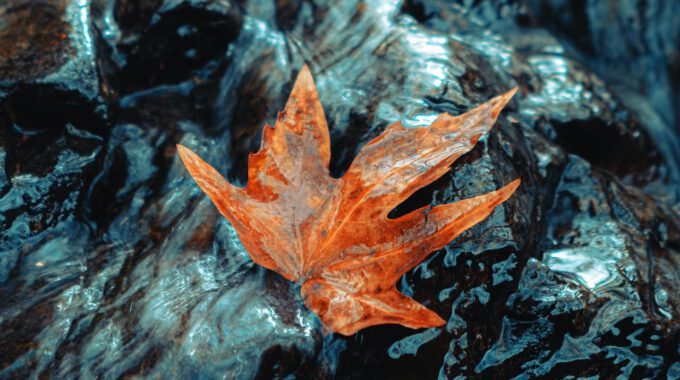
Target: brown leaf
333	235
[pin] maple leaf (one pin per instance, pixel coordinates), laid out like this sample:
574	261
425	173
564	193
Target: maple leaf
333	235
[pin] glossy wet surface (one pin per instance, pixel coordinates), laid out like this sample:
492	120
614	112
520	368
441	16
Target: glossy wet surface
114	263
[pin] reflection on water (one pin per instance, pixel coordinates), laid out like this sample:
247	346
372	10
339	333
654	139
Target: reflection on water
590	267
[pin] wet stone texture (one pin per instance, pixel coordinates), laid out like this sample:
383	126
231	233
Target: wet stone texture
114	264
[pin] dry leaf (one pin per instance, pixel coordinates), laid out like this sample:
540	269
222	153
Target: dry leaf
332	235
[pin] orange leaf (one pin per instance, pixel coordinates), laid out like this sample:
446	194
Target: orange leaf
333	235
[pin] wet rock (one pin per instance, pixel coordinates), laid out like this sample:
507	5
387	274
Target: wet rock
632	43
50	44
159	42
115	264
563	100
634	46
53	115
588	300
34	39
52	120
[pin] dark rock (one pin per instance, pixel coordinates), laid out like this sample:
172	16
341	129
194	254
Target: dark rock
633	44
34	39
53	114
564	101
158	42
52	122
48	43
114	264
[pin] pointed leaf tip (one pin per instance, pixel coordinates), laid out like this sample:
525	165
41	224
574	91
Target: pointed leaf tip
209	179
512	186
185	153
303	115
304	79
500	101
